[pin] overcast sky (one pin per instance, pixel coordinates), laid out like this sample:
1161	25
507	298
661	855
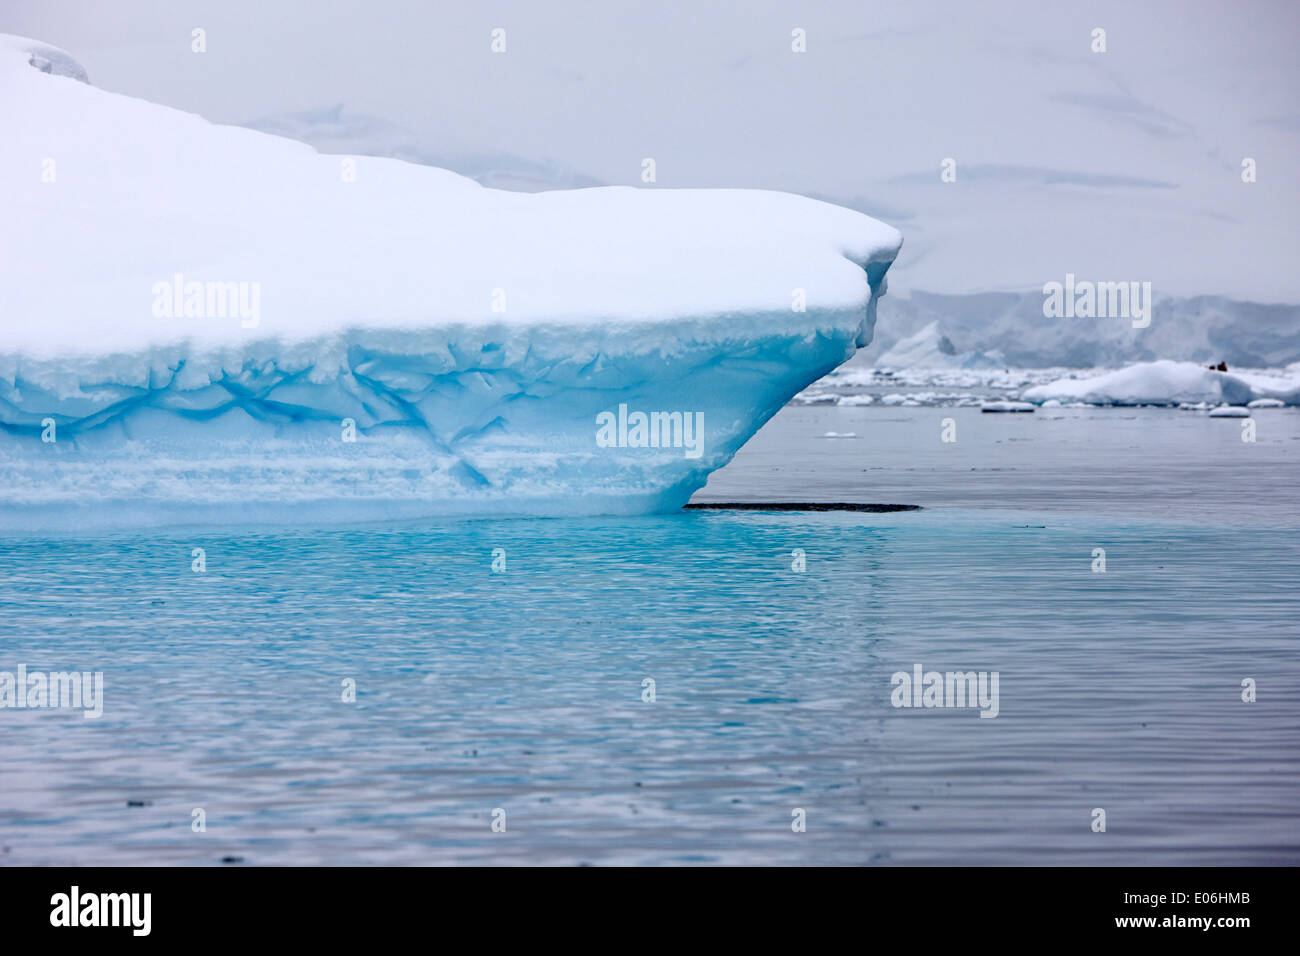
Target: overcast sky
1117	165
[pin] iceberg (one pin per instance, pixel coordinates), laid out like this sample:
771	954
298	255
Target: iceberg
204	323
931	349
1172	383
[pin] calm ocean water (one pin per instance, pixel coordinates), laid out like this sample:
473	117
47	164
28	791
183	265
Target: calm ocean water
523	690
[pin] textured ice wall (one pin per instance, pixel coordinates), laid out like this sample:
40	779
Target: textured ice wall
485	424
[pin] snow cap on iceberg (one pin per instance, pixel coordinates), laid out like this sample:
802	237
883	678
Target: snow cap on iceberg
143	194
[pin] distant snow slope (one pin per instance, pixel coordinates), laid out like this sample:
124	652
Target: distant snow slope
930	348
472	336
1202	329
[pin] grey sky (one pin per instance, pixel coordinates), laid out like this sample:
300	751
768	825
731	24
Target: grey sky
1118	165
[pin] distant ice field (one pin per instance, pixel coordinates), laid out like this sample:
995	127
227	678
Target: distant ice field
1187	385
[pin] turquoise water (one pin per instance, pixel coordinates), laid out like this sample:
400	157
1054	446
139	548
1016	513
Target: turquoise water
522	690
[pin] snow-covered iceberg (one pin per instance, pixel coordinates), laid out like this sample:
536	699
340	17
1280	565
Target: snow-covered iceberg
1171	383
200	322
929	348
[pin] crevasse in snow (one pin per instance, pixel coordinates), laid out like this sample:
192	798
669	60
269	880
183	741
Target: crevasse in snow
196	321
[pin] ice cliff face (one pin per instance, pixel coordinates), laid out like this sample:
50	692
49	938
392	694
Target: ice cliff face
202	322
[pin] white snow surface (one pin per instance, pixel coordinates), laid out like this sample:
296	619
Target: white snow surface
472	334
144	192
1172	383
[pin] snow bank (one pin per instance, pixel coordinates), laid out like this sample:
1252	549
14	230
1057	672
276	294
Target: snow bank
197	309
1171	383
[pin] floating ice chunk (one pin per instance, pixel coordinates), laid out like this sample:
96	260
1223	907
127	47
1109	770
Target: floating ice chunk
1266	403
1229	411
854	400
1006	407
1170	383
840	435
208	323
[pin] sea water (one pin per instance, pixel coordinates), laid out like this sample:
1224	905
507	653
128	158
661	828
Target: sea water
702	687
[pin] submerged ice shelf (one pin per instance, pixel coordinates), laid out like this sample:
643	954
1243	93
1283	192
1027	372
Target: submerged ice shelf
201	322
